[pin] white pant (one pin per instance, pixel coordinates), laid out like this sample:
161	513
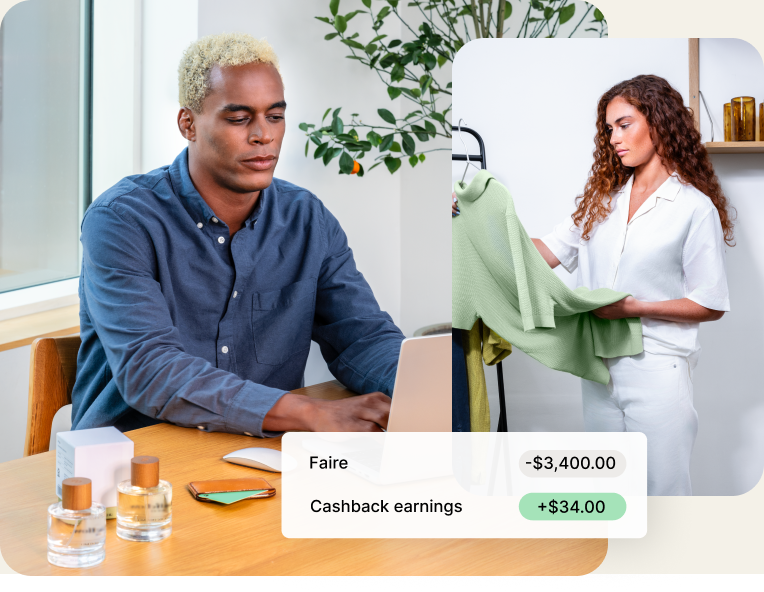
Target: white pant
649	393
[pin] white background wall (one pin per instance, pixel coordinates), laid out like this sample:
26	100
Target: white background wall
396	225
534	103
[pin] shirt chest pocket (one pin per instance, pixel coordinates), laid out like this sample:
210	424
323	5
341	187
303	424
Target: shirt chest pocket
282	321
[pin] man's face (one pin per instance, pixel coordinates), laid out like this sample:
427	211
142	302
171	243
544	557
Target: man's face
236	139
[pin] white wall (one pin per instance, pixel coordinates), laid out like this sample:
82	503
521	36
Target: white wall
534	103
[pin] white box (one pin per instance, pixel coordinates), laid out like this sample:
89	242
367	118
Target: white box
102	455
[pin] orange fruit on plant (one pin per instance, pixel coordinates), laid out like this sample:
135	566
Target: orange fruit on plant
356	167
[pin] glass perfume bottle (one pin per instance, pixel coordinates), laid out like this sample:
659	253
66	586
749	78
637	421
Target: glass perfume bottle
144	503
76	526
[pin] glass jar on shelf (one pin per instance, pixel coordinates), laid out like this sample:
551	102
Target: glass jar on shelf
743	118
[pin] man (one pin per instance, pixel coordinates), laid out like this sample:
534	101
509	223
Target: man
203	282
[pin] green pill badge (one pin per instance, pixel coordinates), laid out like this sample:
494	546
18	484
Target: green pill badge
572	506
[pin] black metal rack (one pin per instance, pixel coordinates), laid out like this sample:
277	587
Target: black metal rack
502	427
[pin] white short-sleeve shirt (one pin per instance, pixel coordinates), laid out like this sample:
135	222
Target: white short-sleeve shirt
672	248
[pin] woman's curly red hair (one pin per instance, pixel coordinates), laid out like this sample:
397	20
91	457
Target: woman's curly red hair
678	145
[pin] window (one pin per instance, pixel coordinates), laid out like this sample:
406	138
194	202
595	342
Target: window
45	90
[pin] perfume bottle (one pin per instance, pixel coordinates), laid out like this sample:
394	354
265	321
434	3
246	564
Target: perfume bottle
144	503
76	526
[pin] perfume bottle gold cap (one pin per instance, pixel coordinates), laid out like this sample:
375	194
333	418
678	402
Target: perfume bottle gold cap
76	493
144	471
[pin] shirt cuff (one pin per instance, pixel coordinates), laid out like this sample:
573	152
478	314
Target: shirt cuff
567	256
249	407
710	301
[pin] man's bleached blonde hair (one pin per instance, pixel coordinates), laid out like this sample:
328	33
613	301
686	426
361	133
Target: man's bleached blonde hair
225	49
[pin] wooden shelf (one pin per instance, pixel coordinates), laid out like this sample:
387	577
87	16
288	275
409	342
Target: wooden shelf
735	147
51	323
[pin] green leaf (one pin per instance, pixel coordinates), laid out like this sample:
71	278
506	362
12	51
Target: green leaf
388	60
330	36
336	112
567	13
337	126
346	163
413	161
383	13
360	170
387	116
534	20
397	73
598	16
442	60
387	142
323	19
367	3
307	145
334	7
393	3
325	114
431	129
429	61
340	23
374	166
345	138
316	138
374	138
392	163
507	11
422	156
350	15
537	5
371	48
409	146
420	133
331	153
304	127
321	150
396	147
438	117
548	12
377	38
394	43
353	44
394	92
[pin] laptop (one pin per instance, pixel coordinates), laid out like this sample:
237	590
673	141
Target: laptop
421	403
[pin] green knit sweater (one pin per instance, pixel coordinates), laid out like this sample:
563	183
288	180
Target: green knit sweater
500	277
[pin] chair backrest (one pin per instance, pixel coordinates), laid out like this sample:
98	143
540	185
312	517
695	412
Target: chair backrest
52	372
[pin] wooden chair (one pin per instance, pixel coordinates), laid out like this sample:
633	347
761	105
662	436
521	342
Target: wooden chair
51	379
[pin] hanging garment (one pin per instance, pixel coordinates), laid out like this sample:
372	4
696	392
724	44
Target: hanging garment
481	345
460	396
500	277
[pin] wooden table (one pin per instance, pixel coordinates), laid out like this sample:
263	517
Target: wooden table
245	538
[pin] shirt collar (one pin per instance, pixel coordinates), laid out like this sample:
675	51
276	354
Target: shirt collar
192	199
668	191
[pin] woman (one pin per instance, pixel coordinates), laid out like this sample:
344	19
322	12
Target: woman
653	222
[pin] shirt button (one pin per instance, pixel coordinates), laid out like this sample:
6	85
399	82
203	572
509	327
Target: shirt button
235	294
199	225
200	427
247	434
221	240
215	220
224	349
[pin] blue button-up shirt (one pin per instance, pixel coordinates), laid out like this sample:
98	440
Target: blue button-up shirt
182	323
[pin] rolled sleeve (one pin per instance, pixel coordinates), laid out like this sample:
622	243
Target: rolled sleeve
704	263
564	241
152	371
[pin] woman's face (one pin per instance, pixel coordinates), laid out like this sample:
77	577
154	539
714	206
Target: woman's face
629	133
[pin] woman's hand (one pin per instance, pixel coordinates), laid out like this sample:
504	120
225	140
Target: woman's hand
454	205
623	309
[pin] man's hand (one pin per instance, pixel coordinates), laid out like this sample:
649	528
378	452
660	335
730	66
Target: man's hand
364	413
625	308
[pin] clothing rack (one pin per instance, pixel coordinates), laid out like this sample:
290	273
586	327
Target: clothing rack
502	427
